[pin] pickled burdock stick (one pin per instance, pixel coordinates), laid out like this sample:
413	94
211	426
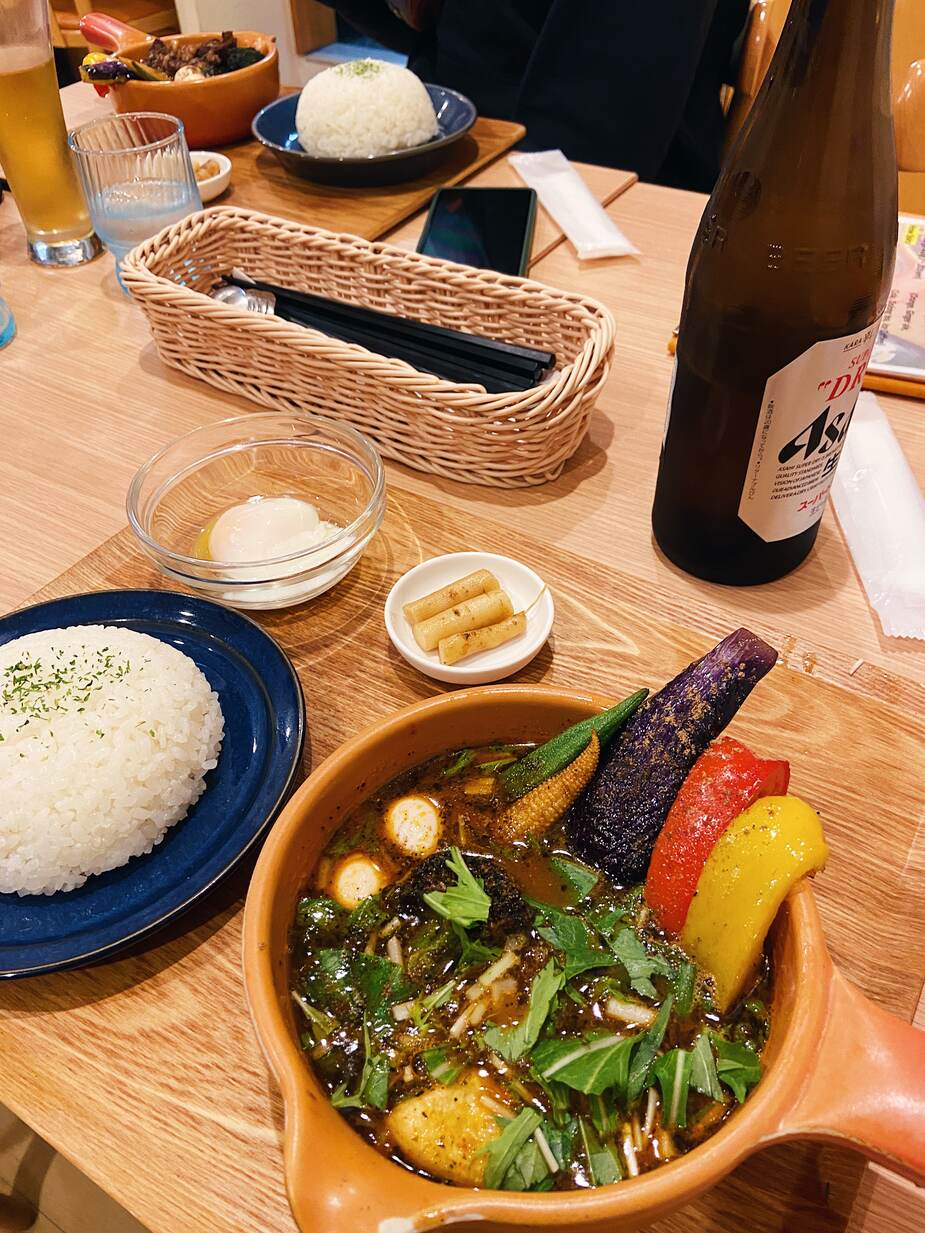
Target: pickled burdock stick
482	582
459	646
473	614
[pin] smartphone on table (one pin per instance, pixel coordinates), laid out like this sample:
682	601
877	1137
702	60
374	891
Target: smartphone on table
491	228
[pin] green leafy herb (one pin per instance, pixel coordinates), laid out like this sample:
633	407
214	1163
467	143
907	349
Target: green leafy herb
561	1140
682	985
381	984
736	1065
640	965
606	919
558	1096
466	903
529	1170
564	930
373	1088
568	932
321	1025
459	764
579	878
703	1068
428	948
496	764
473	952
603	1162
503	1151
604	1113
366	916
359	68
646	1046
589	1066
320	915
439	1066
438	998
513	1042
328	984
673	1072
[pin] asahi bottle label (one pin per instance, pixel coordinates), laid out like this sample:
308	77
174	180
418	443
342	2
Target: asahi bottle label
805	414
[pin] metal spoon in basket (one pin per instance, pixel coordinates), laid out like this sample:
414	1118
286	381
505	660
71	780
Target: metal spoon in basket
251	301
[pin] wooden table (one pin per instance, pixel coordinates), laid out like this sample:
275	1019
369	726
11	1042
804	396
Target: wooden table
145	1072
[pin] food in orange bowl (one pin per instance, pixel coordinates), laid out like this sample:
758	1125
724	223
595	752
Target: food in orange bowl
532	1029
216	110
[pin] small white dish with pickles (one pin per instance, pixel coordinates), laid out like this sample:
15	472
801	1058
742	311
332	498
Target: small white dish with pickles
469	618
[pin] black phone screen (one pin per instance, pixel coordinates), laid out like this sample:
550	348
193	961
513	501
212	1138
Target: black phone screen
490	228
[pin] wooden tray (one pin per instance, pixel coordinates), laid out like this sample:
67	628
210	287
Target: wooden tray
260	182
145	1071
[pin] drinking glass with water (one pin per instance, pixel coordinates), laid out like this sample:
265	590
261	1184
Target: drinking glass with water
137	177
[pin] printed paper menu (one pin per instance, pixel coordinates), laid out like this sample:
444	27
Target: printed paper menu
900	347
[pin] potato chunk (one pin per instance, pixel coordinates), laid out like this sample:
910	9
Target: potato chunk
443	1131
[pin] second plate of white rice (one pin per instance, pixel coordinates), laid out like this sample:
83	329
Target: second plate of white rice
106	738
147	741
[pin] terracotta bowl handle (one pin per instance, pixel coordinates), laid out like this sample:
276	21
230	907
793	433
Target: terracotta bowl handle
867	1089
108	32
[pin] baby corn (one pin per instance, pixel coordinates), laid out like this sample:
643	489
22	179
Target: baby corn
536	812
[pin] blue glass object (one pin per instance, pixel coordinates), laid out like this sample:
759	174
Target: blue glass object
7	324
261	755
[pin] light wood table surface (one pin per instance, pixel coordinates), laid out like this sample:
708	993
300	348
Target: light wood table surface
117	1066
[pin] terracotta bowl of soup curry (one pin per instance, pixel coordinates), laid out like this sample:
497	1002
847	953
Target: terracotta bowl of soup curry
836	1068
214	112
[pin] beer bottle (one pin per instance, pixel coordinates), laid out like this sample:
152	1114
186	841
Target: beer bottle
786	284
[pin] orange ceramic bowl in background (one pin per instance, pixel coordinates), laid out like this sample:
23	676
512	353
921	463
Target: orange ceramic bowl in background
215	111
836	1067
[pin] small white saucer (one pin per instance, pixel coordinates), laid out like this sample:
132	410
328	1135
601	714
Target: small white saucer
211	187
521	584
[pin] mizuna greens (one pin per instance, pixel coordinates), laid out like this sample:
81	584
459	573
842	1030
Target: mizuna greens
512	1008
523	981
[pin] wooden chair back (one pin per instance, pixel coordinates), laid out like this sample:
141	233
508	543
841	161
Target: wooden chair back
151	16
765	23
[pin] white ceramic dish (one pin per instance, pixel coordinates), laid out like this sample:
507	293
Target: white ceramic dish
521	584
209	189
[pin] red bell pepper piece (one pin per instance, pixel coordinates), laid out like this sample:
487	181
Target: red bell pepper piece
723	782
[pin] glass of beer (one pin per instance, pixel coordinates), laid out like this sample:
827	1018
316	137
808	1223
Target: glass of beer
33	140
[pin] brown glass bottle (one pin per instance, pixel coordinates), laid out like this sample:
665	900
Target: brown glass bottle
790	271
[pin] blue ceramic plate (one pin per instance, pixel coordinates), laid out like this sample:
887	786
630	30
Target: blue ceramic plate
275	127
261	752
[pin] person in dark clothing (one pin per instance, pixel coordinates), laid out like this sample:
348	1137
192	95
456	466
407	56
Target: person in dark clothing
627	83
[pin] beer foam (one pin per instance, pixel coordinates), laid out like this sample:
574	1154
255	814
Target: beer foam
20	57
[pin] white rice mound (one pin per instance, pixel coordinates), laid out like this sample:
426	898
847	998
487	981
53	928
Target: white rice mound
363	108
106	736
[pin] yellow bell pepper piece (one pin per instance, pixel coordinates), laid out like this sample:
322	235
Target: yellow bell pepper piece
765	851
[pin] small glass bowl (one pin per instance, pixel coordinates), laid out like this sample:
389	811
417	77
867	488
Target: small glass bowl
187	484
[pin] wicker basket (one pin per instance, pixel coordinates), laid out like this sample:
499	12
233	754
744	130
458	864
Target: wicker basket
458	431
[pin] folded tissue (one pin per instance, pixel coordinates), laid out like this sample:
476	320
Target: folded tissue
882	514
571	203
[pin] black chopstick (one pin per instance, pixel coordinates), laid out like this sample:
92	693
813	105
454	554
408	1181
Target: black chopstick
422	360
464	354
528	360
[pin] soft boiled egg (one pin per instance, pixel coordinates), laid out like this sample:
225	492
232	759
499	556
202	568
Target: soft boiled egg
355	878
413	824
266	527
